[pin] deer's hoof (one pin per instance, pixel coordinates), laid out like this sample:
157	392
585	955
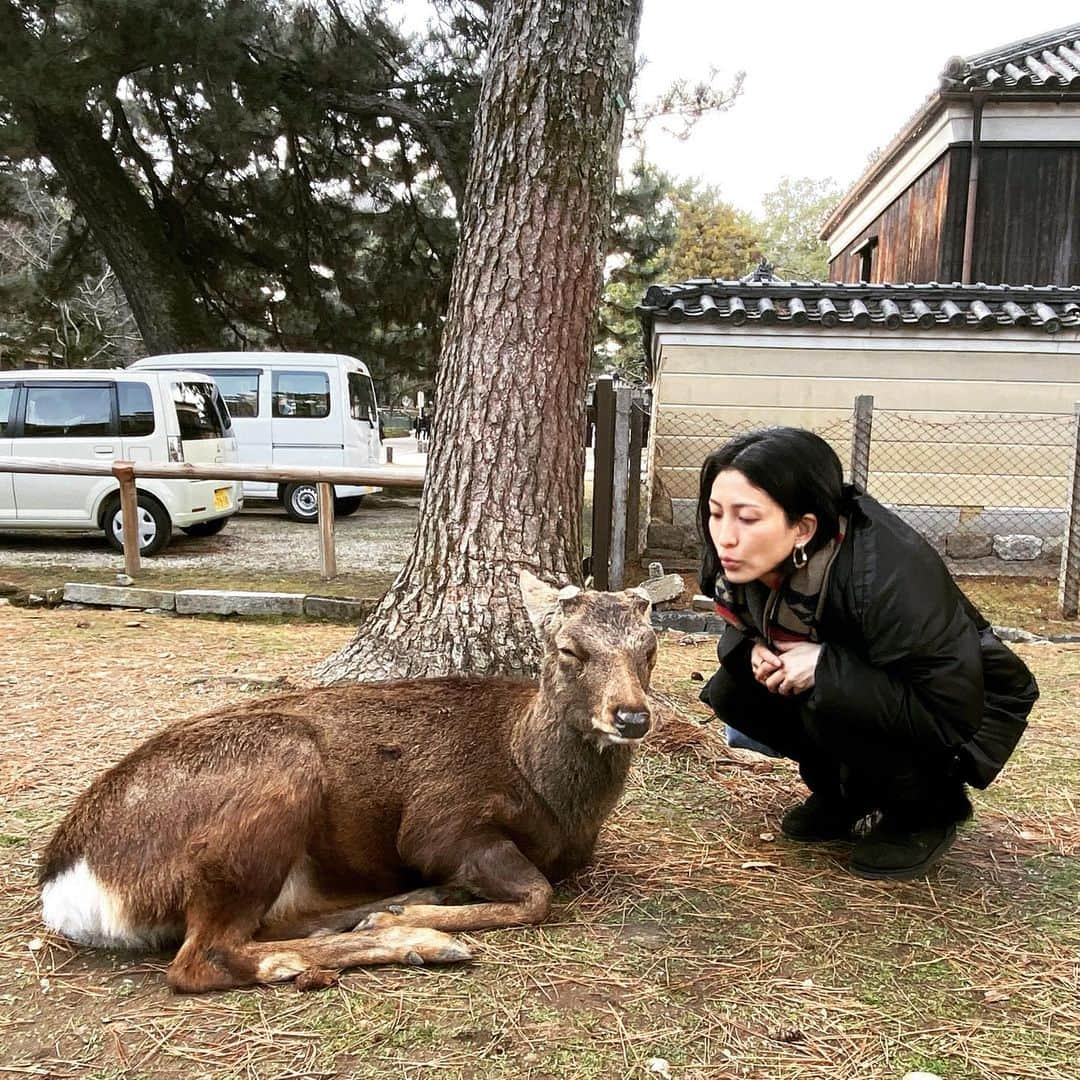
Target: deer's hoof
377	920
414	958
396	909
454	952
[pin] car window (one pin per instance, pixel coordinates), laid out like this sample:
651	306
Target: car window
68	411
136	408
198	413
7	405
303	394
240	389
362	398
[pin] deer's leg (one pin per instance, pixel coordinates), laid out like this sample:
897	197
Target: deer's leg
207	964
518	894
318	924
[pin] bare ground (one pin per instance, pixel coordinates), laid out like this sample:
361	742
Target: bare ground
700	944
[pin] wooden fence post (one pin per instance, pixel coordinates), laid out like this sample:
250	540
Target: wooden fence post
1069	578
860	440
326	531
633	497
124	471
620	460
603	451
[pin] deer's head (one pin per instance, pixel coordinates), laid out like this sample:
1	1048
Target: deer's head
599	649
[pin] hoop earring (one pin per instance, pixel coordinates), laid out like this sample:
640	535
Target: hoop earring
799	557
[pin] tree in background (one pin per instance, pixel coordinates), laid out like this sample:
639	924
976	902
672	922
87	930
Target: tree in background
506	469
713	238
644	222
59	300
794	212
254	171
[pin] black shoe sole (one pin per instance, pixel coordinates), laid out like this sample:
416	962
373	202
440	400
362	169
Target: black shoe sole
905	873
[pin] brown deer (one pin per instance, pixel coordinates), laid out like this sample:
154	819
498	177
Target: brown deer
263	835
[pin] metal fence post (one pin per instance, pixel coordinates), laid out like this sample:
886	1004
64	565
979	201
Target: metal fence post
860	440
620	482
1069	578
603	451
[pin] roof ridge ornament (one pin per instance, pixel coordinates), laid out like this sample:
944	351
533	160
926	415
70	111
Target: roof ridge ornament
764	272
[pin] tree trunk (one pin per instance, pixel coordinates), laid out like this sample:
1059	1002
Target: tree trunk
158	285
159	288
506	466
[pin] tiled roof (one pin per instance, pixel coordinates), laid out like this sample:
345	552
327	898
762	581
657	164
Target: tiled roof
1050	61
766	301
1038	67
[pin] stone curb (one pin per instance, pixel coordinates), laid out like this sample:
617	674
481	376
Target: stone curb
218	602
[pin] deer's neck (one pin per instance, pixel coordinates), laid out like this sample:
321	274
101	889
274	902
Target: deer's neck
577	777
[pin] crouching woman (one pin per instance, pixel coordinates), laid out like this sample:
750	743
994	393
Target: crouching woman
849	648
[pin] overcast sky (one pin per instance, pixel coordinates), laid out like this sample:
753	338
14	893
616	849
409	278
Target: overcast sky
826	82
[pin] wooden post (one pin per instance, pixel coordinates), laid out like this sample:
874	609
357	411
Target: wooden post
389	455
860	440
604	397
124	471
620	482
1069	579
326	531
633	495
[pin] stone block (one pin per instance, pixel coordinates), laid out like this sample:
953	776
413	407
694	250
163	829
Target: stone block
703	603
664	536
968	545
1017	547
214	602
661	589
117	596
336	608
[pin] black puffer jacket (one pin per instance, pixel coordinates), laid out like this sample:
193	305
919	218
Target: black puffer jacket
906	653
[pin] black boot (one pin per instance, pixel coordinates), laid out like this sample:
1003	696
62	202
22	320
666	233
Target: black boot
819	819
909	840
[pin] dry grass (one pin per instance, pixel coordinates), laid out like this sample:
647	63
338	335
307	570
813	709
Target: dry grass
698	936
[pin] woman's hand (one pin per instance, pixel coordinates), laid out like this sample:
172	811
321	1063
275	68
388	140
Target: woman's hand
797	666
763	662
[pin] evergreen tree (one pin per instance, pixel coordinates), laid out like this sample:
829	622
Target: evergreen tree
794	212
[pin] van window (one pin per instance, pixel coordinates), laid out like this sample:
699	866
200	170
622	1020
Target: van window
301	393
71	411
7	404
362	398
136	408
198	412
240	389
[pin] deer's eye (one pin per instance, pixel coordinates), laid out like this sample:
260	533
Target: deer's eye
569	654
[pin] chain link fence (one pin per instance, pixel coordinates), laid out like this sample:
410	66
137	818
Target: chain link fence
986	489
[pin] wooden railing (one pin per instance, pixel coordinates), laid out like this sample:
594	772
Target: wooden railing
410	477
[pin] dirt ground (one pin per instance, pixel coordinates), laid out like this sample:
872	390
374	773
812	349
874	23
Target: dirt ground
699	944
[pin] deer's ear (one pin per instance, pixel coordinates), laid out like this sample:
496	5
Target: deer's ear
641	600
540	598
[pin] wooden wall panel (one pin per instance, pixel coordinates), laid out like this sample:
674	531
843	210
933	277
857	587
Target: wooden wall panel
1027	225
909	233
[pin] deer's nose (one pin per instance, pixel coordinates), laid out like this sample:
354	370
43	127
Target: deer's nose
631	724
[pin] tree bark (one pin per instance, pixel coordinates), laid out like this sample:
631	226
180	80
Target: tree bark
506	466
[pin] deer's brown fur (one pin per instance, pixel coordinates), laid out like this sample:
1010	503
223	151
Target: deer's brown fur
268	836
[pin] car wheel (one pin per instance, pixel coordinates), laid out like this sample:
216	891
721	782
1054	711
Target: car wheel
301	502
206	528
347	504
155	528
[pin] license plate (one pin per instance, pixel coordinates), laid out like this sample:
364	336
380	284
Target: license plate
221	499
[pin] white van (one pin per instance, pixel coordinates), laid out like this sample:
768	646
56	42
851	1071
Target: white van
314	409
108	415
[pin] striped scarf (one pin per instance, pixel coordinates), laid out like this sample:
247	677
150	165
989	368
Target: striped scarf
790	613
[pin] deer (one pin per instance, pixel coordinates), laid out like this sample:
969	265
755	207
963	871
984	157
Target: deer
363	823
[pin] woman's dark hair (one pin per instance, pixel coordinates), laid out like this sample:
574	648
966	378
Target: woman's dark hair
794	467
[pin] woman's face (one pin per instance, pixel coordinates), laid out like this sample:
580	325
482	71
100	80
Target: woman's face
750	530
